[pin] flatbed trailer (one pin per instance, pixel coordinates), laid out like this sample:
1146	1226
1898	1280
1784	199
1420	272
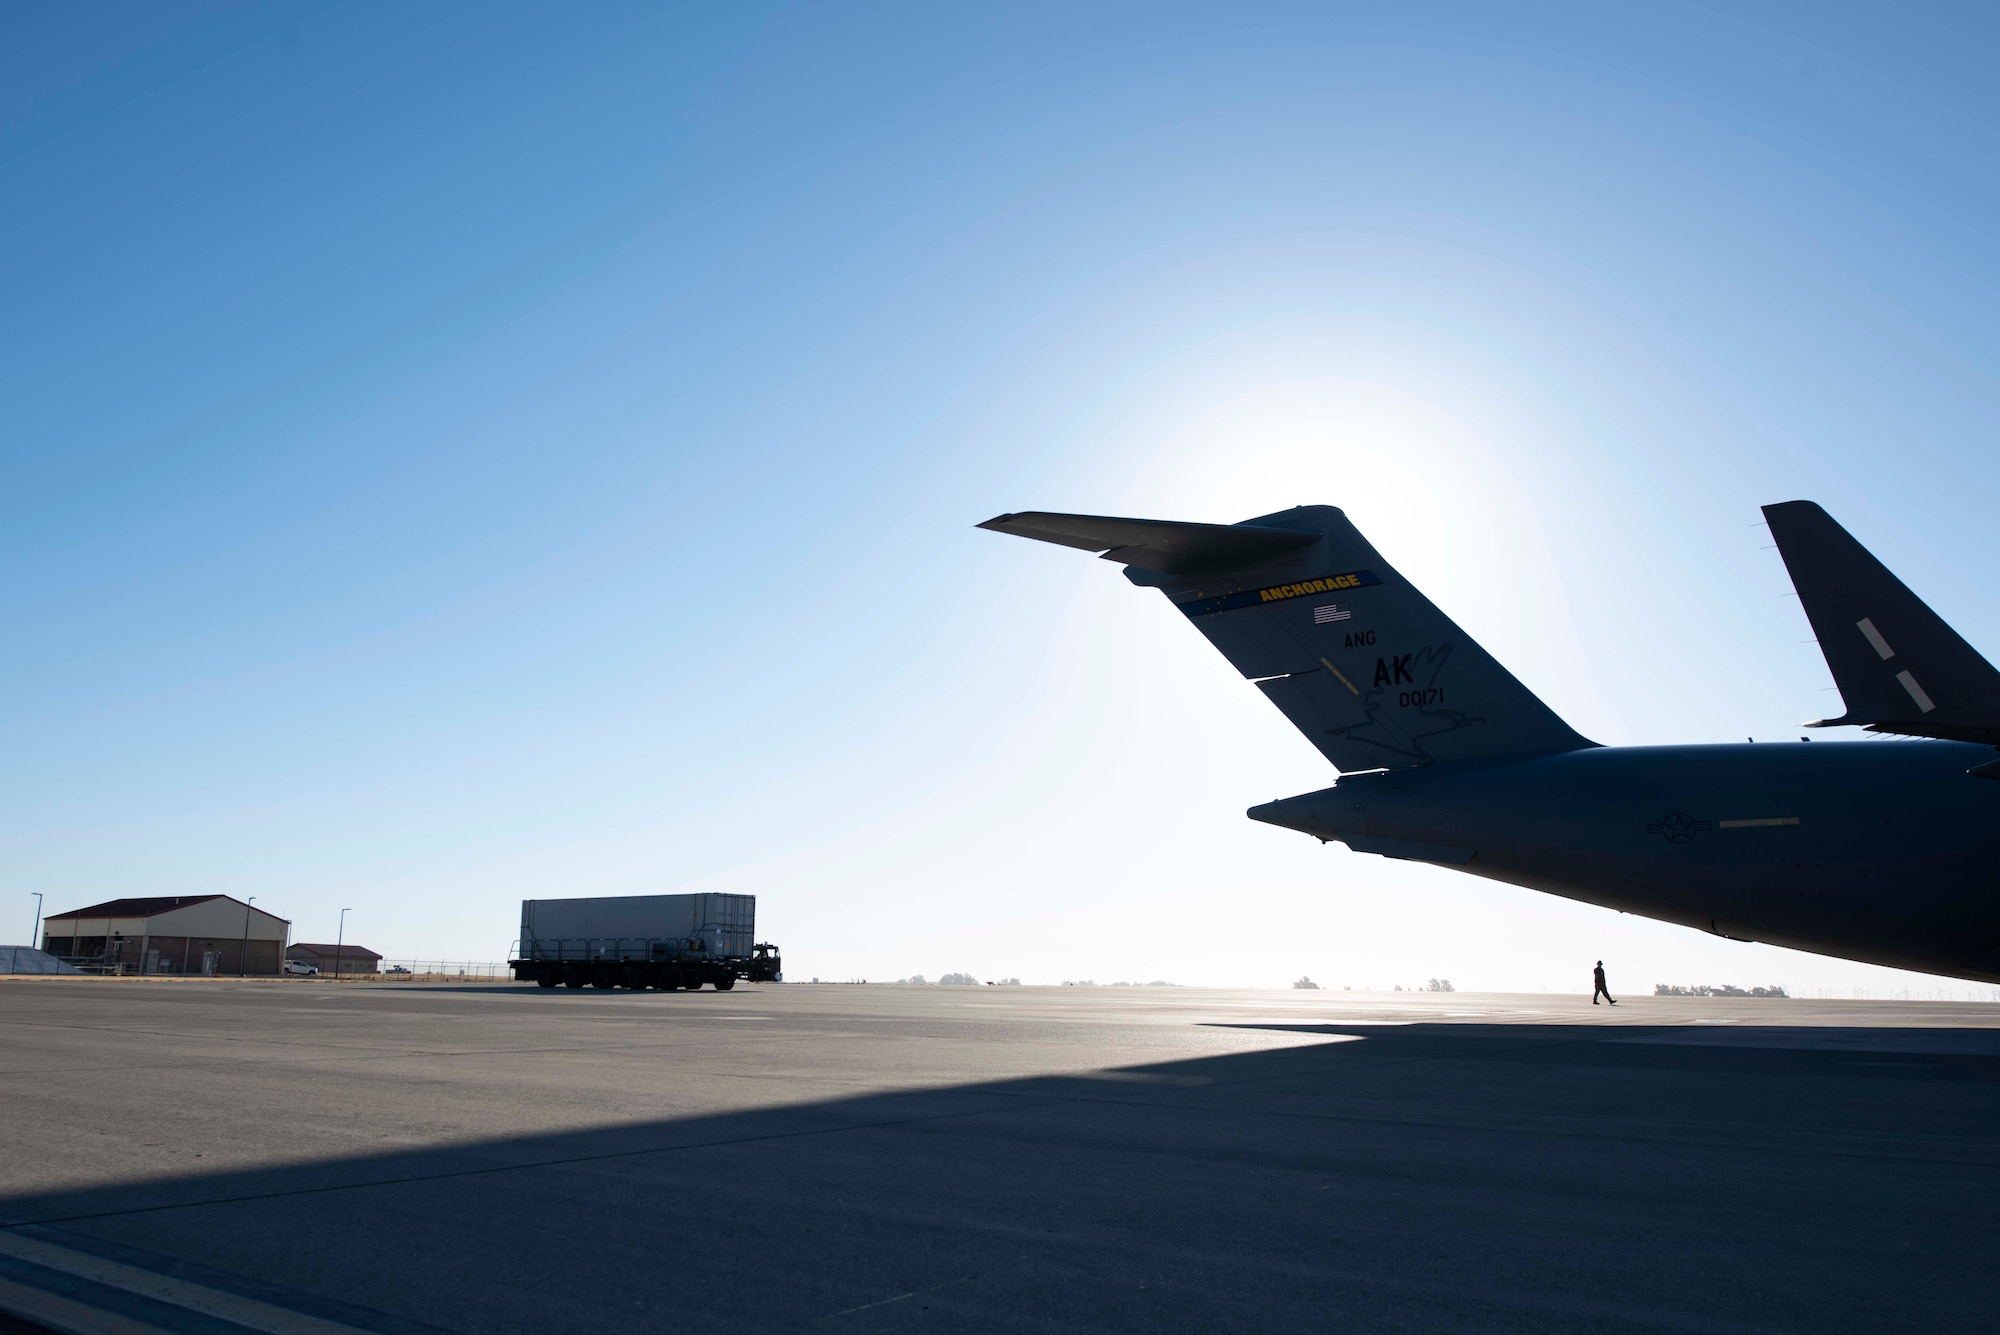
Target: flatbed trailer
670	970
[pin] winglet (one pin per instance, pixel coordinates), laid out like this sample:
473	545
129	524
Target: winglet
1900	668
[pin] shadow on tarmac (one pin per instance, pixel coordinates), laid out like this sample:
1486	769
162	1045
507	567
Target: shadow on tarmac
1421	1178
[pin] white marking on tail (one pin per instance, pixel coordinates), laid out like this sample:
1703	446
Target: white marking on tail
1924	704
1881	646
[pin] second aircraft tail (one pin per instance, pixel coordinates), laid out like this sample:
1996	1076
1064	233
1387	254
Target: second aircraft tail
1353	654
1899	666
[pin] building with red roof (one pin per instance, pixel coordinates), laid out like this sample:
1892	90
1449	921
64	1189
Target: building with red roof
198	934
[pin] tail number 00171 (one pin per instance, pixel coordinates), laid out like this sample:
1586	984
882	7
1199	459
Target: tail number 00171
1432	695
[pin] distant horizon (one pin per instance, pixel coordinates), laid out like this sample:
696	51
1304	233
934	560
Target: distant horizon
1944	991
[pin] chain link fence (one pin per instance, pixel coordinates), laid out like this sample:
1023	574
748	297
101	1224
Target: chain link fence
428	971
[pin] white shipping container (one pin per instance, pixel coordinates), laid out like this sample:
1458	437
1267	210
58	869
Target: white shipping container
638	926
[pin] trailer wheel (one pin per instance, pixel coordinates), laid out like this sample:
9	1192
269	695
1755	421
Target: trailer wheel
691	984
574	979
724	984
545	981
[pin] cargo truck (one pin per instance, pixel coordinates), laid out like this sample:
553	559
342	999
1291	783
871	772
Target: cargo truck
641	941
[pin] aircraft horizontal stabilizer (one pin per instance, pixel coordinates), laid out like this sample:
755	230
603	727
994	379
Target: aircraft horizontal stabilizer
1899	667
1164	545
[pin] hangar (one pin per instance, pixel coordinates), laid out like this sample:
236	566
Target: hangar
198	934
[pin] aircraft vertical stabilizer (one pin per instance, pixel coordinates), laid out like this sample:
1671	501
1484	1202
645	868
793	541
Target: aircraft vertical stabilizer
1899	667
1299	602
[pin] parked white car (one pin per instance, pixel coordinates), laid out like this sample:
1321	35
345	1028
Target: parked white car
300	969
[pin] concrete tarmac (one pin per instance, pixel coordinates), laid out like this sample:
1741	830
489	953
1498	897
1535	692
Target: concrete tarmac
309	1156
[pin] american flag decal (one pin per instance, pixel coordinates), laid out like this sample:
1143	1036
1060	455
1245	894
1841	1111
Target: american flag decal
1329	612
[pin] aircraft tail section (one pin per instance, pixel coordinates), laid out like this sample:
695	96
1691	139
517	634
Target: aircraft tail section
1352	653
1899	667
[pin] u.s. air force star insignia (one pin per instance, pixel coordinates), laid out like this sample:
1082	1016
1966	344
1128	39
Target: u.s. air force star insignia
1679	827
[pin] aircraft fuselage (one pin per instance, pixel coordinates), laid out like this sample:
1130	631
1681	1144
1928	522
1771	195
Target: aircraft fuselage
1887	852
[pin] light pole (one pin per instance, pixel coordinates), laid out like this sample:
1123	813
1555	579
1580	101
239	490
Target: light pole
35	936
339	937
243	957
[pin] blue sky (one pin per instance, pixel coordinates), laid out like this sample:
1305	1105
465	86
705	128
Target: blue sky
454	454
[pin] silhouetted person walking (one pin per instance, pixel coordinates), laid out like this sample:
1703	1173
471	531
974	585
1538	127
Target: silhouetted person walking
1602	990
